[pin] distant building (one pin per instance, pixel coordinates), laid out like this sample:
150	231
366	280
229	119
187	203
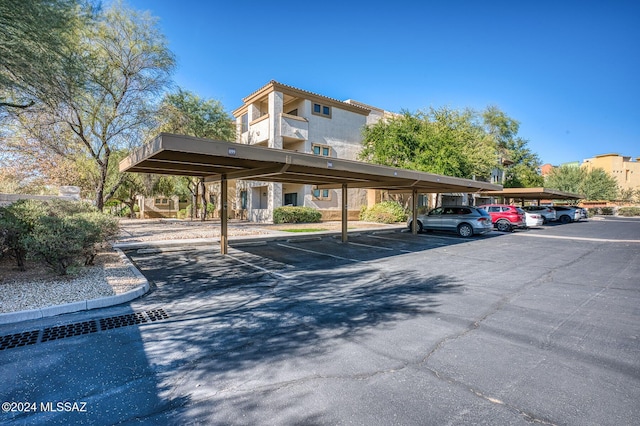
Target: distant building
625	170
284	117
545	169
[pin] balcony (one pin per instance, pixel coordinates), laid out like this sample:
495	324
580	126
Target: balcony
294	128
259	130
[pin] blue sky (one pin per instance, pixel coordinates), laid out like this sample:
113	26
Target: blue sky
568	71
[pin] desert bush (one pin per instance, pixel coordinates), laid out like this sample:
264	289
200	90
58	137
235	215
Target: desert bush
12	233
629	211
291	214
58	232
384	212
58	241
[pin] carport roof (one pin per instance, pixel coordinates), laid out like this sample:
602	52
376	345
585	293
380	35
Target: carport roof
533	194
189	156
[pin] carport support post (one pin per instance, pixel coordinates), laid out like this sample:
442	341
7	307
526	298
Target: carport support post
414	211
223	214
345	213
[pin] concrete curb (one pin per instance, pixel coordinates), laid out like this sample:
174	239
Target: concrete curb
83	305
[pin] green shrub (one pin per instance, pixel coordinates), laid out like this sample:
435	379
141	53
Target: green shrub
58	241
57	231
608	211
12	233
384	212
629	211
290	214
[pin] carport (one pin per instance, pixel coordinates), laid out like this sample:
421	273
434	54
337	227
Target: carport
536	194
223	161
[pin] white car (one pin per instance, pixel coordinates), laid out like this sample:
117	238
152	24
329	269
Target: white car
567	214
533	219
547	212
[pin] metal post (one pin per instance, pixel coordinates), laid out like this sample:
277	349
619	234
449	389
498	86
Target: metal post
345	213
223	214
414	211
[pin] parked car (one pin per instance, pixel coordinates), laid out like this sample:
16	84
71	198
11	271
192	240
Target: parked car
567	214
465	220
548	213
505	217
584	213
533	219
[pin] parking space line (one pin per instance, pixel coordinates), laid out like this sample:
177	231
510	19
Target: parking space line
368	245
380	247
408	251
260	268
320	253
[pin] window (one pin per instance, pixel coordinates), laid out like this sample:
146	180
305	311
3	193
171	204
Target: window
291	199
322	150
321	194
161	201
245	123
243	200
323	110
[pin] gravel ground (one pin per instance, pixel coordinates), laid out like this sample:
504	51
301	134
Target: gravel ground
38	287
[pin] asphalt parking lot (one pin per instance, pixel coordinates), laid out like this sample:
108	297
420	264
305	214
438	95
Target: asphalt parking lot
537	326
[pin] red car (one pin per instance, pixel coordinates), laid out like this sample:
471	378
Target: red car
505	217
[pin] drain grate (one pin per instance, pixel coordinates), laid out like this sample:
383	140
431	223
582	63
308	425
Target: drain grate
157	314
69	330
77	329
19	339
123	321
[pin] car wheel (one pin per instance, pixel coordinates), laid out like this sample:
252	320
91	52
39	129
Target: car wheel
465	230
418	226
564	219
544	220
503	225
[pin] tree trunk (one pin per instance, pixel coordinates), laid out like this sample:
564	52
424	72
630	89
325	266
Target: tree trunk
132	205
203	216
100	188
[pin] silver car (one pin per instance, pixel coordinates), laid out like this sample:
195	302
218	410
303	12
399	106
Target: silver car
567	214
465	220
548	213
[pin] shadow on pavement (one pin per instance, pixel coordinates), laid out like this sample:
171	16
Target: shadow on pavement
228	319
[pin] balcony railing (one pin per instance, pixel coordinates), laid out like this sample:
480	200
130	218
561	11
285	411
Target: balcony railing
259	130
294	127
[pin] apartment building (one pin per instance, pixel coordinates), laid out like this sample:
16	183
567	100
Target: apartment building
284	117
625	170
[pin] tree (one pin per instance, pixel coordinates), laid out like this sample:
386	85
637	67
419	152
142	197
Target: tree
35	47
599	185
183	112
629	195
442	141
186	113
595	184
523	170
107	107
565	178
